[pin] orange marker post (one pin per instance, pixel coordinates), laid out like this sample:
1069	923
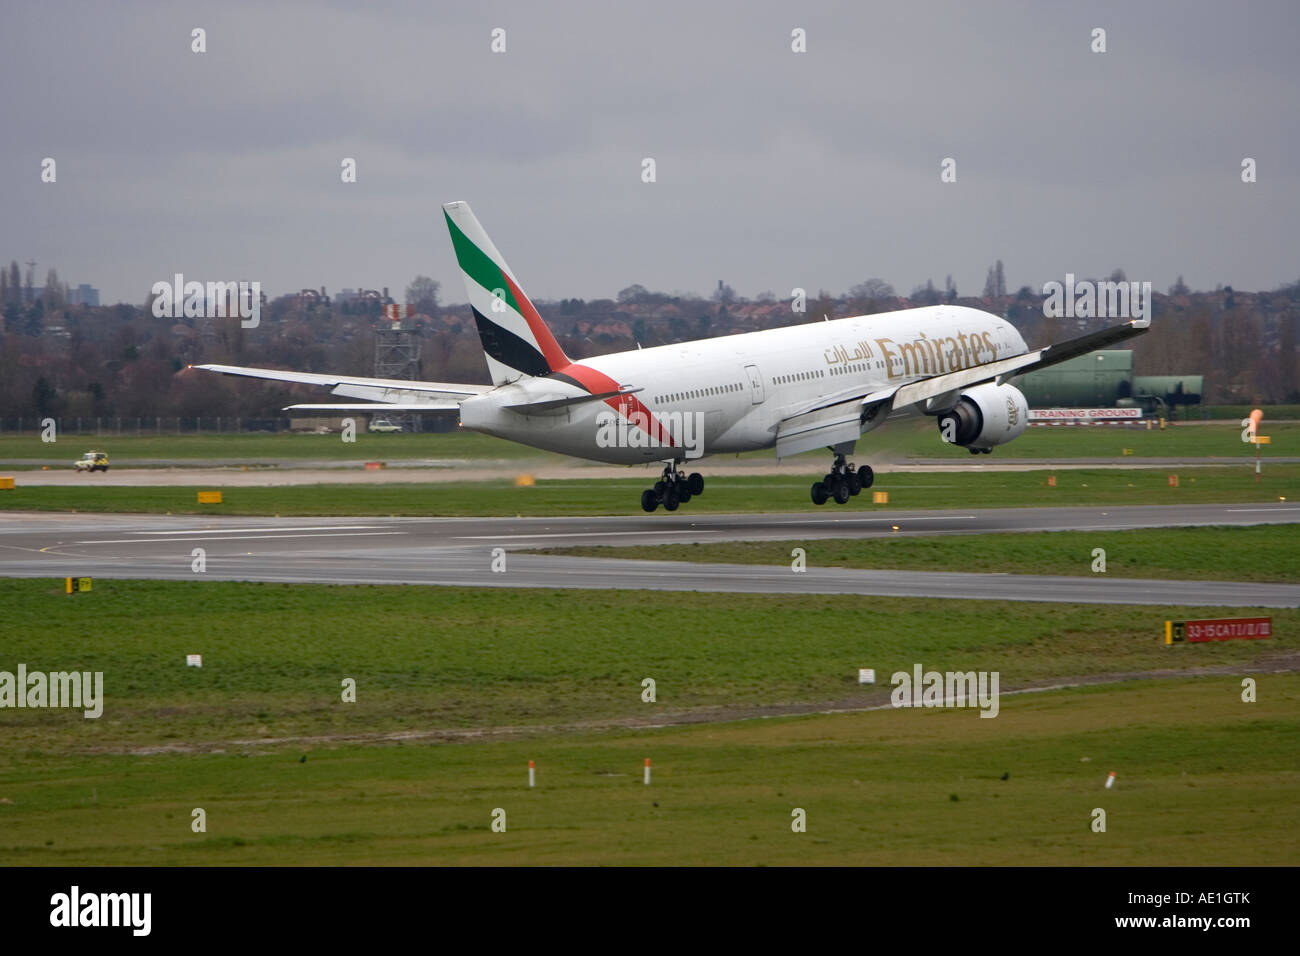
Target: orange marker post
1110	780
647	771
532	774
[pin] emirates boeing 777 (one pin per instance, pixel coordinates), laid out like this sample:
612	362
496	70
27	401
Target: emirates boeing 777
820	384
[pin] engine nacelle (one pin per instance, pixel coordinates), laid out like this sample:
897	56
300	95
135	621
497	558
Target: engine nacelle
984	416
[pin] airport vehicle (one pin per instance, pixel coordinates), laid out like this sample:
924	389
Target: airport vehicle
384	425
91	461
821	384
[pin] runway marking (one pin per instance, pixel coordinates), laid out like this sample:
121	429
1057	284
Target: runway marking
575	534
323	527
253	537
1238	510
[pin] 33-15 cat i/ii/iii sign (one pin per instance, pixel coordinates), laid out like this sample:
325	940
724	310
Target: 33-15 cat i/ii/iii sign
1223	629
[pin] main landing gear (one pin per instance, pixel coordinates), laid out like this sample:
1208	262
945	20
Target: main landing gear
842	482
673	489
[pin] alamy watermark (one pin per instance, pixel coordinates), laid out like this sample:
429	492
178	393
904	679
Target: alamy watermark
639	429
79	689
75	908
213	300
946	689
1086	299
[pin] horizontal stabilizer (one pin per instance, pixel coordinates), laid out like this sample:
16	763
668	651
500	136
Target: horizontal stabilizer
352	386
550	404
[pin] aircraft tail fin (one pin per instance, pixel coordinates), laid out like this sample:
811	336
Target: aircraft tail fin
515	340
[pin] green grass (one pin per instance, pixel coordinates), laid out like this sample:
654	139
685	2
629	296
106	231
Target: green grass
1199	775
425	658
723	494
1198	769
1258	553
898	441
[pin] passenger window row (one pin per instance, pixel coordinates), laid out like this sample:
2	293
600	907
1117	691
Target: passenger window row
698	393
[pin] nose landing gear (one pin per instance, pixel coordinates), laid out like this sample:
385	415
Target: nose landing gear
842	482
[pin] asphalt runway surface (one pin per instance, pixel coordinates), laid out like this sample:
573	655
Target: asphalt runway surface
460	551
283	472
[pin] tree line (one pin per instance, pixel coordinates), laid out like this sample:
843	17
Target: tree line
58	359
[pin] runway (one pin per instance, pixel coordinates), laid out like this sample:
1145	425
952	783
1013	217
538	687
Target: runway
289	472
460	551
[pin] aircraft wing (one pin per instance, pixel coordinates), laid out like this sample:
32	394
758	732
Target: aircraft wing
842	417
423	396
433	406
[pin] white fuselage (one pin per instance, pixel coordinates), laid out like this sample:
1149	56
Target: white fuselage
730	394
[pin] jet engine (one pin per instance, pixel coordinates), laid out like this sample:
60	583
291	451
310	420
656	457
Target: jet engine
985	416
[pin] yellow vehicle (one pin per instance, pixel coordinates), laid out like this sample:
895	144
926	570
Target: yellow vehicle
92	461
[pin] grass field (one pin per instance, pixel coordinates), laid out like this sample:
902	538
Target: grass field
722	494
1198	768
1258	553
897	442
1201	776
461	658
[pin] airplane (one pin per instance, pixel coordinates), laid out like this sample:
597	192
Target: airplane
795	389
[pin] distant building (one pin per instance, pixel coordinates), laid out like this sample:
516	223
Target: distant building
83	295
1105	379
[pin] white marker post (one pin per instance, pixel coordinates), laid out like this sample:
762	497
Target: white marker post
647	771
1110	780
532	774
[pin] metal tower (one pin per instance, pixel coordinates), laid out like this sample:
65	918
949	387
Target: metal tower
397	355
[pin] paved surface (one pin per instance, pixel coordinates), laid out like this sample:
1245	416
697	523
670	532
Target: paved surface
267	473
459	551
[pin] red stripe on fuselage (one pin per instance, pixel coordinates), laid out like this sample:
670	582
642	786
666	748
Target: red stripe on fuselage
551	350
626	405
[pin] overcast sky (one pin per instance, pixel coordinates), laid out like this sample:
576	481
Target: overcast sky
774	169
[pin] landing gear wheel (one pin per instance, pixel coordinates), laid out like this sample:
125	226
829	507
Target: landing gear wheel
841	492
695	483
855	486
683	492
819	493
659	488
671	500
866	476
649	500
